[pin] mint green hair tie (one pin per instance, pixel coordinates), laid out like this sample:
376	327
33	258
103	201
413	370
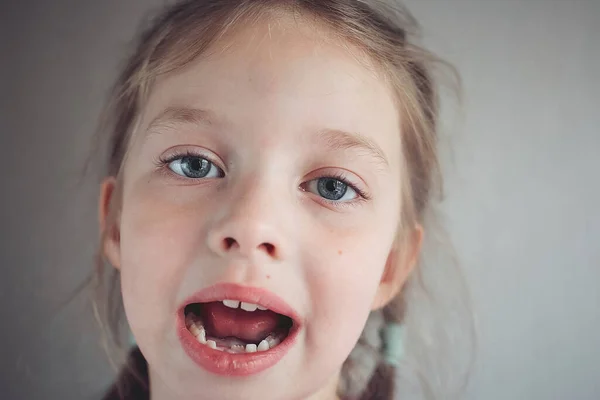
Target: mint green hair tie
393	343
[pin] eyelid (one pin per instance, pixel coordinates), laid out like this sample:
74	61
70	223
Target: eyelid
345	176
179	152
336	204
344	204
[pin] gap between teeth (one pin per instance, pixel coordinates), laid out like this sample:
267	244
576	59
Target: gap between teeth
198	331
243	305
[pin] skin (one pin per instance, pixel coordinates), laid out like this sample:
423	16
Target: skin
271	94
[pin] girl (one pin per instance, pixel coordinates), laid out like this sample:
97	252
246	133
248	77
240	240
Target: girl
270	165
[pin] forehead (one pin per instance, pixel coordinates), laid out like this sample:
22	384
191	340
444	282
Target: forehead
284	74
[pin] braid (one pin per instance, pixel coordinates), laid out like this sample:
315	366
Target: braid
362	362
365	374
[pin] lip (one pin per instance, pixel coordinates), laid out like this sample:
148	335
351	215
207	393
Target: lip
244	364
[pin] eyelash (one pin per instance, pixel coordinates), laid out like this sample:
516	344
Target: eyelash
342	178
162	163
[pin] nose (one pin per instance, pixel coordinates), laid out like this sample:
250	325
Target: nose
244	246
247	227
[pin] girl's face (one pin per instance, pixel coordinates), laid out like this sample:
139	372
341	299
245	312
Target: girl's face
267	172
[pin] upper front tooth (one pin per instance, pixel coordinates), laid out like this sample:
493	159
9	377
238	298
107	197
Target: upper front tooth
249	306
231	303
262	308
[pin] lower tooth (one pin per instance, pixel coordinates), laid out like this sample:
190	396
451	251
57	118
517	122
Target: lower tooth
189	321
212	344
263	346
201	337
272	341
251	348
194	329
237	348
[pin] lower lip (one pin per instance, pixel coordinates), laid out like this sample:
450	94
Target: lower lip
223	363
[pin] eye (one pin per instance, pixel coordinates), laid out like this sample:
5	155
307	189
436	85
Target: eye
332	189
195	167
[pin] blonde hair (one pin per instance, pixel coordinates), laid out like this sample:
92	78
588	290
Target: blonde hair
185	30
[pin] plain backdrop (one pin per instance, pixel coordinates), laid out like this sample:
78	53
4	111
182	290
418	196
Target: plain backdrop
522	184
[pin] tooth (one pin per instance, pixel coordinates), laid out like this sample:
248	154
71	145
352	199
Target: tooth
262	308
251	348
201	336
263	346
249	306
231	303
237	348
272	341
189	320
194	329
212	344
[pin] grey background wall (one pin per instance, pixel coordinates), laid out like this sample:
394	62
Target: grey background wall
522	207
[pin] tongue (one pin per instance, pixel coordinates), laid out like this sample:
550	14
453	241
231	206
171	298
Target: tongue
222	321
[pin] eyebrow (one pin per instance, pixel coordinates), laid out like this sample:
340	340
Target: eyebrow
183	115
333	139
336	140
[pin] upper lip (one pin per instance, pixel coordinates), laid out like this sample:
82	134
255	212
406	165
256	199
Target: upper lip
247	294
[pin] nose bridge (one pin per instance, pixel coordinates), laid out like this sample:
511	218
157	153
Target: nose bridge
253	203
248	221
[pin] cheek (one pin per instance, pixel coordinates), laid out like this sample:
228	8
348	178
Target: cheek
349	273
158	242
343	280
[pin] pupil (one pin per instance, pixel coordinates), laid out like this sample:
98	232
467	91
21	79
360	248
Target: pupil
195	167
332	189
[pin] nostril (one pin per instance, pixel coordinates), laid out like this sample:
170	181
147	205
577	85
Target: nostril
269	248
229	243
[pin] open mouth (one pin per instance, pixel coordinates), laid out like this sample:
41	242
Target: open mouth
236	327
236	330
